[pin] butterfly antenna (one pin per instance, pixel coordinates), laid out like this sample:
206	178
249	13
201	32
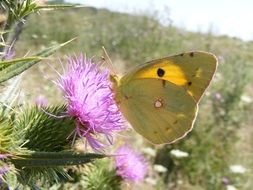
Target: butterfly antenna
106	59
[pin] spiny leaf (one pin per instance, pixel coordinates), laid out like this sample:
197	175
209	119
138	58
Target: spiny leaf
18	60
55	159
55	6
48	166
6	63
8	96
20	66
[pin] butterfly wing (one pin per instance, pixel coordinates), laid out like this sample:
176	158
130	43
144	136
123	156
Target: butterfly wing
192	71
161	112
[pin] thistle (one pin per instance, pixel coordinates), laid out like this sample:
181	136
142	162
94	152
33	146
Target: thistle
130	165
90	101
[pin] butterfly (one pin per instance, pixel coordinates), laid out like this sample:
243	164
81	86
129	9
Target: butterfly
160	98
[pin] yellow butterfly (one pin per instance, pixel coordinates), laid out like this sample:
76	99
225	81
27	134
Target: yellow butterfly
160	98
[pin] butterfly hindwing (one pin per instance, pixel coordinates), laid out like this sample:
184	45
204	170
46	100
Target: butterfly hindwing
160	112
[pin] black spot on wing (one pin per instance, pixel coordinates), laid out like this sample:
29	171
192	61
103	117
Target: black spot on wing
160	72
189	83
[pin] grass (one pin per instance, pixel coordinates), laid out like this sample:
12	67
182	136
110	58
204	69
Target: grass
223	133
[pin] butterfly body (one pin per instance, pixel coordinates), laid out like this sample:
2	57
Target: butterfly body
160	98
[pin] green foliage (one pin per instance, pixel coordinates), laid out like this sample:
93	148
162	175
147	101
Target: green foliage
7	141
46	175
97	175
19	9
93	29
48	166
31	138
56	2
225	109
101	177
8	97
10	137
33	130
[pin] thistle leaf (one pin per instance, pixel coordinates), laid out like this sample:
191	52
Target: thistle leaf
21	65
8	96
55	159
48	166
18	60
55	6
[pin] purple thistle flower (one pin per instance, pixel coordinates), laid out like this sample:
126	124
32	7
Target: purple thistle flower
9	54
4	169
225	180
90	101
218	96
130	165
2	156
41	101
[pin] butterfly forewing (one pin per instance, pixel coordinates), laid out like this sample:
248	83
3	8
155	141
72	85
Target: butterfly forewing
192	71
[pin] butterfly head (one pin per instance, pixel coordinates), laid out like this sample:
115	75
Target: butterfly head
115	79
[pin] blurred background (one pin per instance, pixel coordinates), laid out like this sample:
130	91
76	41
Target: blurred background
218	153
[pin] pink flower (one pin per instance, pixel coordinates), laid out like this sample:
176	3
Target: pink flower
41	101
130	165
225	180
9	53
3	169
90	101
2	156
218	96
